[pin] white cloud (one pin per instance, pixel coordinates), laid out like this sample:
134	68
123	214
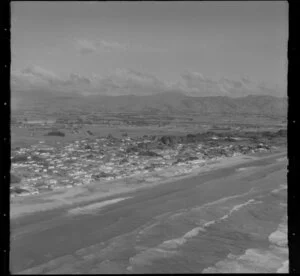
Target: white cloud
195	84
112	45
36	77
32	77
37	71
127	81
85	46
76	79
188	76
88	46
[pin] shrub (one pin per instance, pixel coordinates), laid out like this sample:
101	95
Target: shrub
191	158
101	175
124	160
87	147
55	133
149	153
18	190
19	158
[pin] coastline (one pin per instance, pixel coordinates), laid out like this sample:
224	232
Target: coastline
21	206
205	220
272	259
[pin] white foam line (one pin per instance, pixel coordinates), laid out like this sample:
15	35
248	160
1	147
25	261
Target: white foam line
281	187
246	168
281	159
258	260
284	268
239	206
147	256
279	237
174	243
224	199
195	231
166	248
241	169
234	209
95	206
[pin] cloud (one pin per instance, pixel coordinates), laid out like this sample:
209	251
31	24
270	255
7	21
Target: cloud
195	84
35	77
192	76
85	46
32	76
37	71
121	82
76	79
128	81
112	45
233	87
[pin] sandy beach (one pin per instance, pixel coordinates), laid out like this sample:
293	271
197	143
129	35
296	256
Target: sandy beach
99	190
231	218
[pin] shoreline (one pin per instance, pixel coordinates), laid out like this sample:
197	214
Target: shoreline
271	259
23	206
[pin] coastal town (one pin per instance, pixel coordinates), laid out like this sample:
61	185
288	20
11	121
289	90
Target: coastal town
41	167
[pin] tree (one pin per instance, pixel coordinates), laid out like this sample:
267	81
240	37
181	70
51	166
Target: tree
55	133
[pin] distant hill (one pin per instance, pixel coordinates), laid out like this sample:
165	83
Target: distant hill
169	103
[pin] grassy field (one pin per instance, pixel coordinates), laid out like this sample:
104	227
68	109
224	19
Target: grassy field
22	137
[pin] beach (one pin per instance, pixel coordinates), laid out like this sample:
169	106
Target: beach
99	190
221	220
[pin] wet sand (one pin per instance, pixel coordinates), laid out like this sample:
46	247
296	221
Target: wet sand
219	221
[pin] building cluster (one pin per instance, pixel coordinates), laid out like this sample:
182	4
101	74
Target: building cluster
41	167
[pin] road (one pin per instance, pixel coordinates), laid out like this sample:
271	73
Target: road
227	220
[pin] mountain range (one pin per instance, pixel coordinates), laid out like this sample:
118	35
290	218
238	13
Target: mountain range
167	102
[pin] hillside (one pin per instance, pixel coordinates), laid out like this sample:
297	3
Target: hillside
169	103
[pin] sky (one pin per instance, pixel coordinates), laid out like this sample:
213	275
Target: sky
114	48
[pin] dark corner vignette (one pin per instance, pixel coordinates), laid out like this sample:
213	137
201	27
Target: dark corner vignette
293	134
5	133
